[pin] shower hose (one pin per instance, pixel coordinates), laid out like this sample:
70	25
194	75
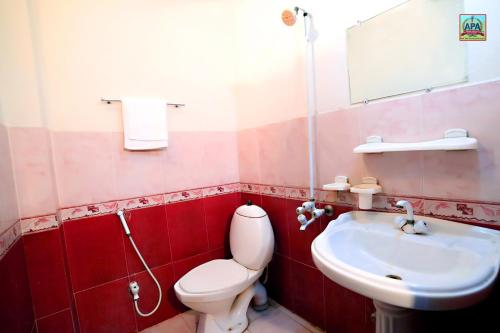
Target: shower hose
136	301
134	287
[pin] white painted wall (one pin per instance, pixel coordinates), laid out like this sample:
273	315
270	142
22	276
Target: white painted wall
74	52
278	51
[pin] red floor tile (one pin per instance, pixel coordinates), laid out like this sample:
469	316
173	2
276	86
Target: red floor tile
187	229
308	293
149	296
46	270
16	311
95	251
149	230
219	212
276	210
107	308
60	322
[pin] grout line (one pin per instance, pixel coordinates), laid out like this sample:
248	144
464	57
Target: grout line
28	278
100	285
71	290
53	313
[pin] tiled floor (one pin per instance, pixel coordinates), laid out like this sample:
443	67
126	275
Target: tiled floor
275	319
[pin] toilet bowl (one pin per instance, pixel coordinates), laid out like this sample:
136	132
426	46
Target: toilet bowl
221	290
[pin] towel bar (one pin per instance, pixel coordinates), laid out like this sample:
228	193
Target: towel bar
109	100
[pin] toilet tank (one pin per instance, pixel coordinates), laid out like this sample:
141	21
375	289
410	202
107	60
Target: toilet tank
251	237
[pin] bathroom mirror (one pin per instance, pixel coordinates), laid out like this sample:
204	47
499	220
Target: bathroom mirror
411	47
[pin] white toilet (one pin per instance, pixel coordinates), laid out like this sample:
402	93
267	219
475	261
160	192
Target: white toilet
221	290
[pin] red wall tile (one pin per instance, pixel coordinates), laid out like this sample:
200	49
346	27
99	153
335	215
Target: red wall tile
345	310
148	293
148	227
308	293
107	308
16	311
300	241
95	251
60	322
276	210
256	199
279	284
219	212
44	257
187	229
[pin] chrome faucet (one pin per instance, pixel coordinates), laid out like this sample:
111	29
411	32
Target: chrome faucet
403	204
408	224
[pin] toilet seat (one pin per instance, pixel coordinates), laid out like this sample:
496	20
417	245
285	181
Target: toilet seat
215	280
215	275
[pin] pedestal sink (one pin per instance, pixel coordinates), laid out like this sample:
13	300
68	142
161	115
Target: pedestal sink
452	267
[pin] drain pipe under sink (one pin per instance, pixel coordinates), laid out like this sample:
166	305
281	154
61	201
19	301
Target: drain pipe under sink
134	286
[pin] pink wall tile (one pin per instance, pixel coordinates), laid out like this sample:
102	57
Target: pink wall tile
8	199
272	153
297	153
398	120
473	175
200	159
137	173
338	135
35	182
248	156
468	174
398	173
83	167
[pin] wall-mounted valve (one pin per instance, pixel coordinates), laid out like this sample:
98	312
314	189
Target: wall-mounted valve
309	206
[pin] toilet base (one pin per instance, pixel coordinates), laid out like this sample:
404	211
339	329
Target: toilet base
208	323
233	319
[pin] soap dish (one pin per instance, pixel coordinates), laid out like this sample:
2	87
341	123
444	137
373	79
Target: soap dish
368	187
341	184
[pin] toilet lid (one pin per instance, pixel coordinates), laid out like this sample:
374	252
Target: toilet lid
214	275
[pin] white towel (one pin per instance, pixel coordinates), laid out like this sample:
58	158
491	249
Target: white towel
144	123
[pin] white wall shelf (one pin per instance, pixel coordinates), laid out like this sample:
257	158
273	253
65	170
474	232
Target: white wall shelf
454	139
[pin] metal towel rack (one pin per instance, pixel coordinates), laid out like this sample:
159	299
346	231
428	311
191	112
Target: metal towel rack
110	100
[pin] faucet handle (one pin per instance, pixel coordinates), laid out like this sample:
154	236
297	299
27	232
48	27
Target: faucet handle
421	227
302	219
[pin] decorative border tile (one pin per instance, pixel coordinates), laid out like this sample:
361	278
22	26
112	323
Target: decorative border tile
141	202
275	191
347	198
298	193
39	223
463	211
72	213
473	212
250	188
328	196
384	202
221	189
9	237
183	195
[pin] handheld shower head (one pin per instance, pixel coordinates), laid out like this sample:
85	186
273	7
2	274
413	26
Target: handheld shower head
289	17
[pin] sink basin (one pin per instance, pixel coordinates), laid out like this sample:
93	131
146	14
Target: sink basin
452	267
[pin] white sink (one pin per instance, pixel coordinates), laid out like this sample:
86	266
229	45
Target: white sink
452	267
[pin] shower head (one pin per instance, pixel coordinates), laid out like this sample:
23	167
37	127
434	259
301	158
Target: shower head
289	17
